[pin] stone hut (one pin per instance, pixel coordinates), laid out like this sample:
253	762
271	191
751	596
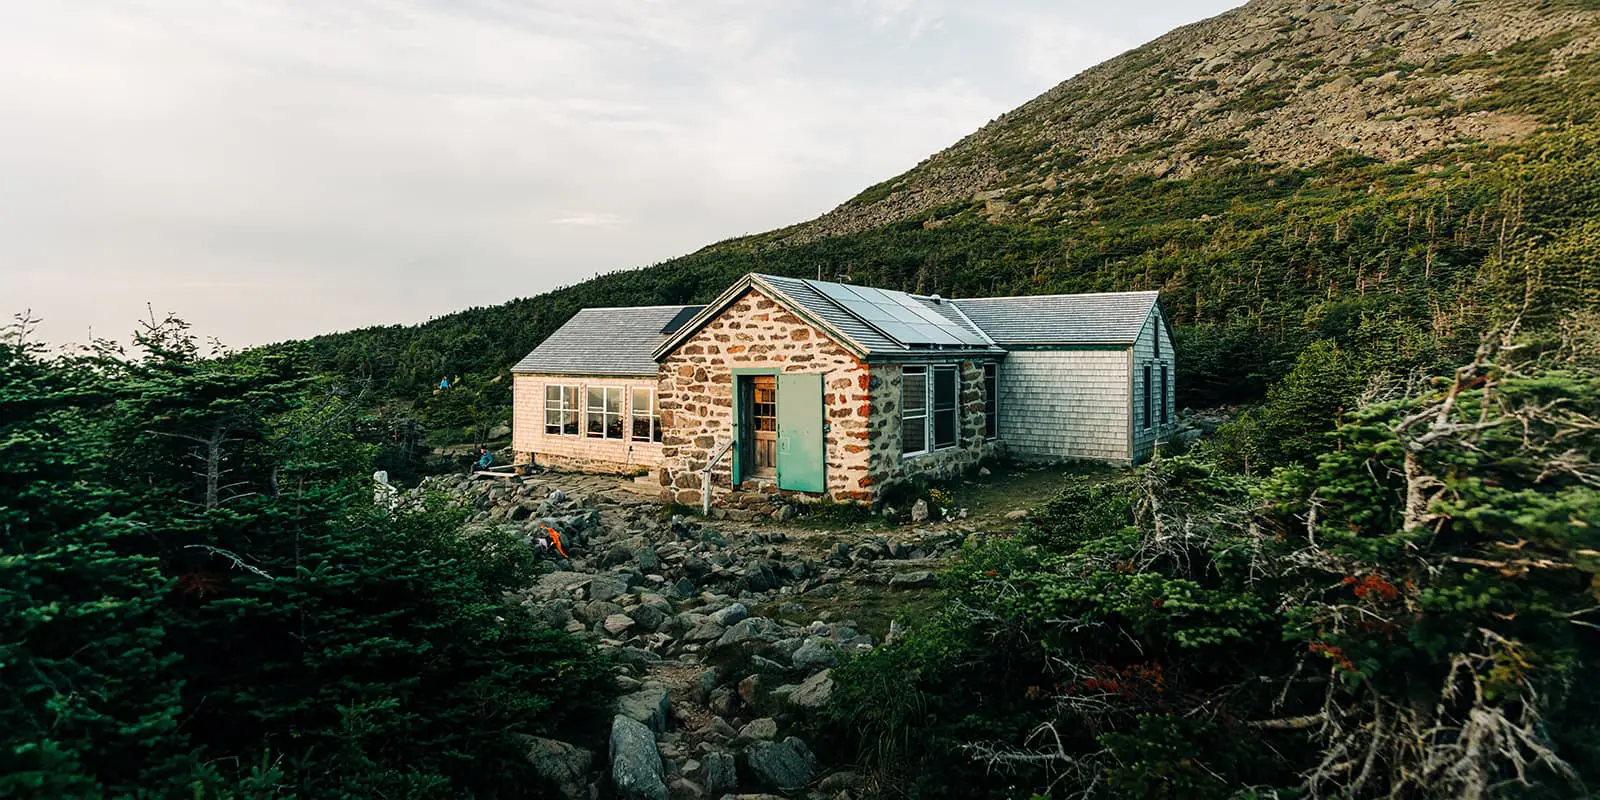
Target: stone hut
586	398
798	387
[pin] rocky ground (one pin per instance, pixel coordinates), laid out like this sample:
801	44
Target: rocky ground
726	630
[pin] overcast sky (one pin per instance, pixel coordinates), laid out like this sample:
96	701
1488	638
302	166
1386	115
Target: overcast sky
271	169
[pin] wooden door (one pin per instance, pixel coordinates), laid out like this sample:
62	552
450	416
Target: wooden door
763	425
801	459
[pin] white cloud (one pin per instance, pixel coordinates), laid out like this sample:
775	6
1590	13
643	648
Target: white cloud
271	168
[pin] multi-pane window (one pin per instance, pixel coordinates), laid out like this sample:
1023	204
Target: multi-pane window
1147	397
1164	405
946	394
914	410
929	409
560	410
646	416
604	412
991	401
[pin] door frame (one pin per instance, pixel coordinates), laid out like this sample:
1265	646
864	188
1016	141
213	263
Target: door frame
740	376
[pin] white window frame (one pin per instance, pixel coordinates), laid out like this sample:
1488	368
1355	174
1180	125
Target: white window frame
920	419
606	417
929	413
652	415
563	408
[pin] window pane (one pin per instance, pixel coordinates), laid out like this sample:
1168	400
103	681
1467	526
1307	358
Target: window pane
597	424
1163	394
596	398
913	434
613	426
614	400
914	393
655	429
571	397
552	421
944	428
945	388
1147	396
552	395
572	421
991	401
641	429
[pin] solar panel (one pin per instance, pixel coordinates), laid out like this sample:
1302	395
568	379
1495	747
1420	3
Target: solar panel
899	316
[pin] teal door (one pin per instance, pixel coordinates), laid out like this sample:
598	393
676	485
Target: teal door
800	451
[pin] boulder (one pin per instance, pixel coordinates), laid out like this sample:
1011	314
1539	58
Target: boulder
648	617
813	654
564	765
1017	515
635	762
647	559
783	765
730	615
718	774
920	512
814	692
649	706
605	586
920	579
618	624
764	729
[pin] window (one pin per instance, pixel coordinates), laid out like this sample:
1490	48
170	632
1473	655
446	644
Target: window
560	410
605	412
646	416
946	395
1147	397
1158	341
914	411
1164	417
991	401
929	409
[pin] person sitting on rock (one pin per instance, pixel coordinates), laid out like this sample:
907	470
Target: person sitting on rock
485	458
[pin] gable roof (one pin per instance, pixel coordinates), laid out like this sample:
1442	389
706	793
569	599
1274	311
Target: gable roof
858	318
1061	319
606	341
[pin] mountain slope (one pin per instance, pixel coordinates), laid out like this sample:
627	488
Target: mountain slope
1273	81
1412	170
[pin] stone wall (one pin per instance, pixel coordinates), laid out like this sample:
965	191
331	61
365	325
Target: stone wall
697	398
889	465
577	452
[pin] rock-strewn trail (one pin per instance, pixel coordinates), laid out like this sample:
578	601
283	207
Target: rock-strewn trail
725	630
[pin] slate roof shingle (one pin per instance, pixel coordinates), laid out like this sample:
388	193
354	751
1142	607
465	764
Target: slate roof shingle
606	341
1061	319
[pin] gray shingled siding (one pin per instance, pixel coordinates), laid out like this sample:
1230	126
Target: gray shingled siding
1065	404
1144	352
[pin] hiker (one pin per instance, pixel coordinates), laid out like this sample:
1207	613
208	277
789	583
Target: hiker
444	383
555	541
485	458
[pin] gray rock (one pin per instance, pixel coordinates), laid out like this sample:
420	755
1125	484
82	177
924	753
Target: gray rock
839	781
648	617
618	624
784	513
649	706
605	586
718	774
783	765
647	558
1018	515
708	631
685	789
814	692
764	729
635	762
565	765
920	579
732	614
813	653
920	512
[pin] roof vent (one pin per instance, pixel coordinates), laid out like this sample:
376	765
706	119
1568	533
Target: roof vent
936	299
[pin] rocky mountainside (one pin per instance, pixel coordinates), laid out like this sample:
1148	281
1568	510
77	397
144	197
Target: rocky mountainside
1278	173
1274	81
